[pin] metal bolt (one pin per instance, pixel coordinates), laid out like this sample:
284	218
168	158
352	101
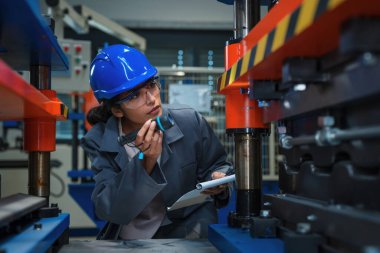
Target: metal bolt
281	129
326	121
265	213
263	103
300	87
312	217
267	204
37	226
368	59
303	228
285	141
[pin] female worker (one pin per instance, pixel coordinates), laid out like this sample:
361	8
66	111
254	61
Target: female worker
136	182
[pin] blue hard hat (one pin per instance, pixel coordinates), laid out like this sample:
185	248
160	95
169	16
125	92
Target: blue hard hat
118	68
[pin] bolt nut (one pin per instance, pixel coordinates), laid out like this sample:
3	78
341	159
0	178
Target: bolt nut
285	142
326	121
263	103
303	228
37	226
312	217
281	129
265	213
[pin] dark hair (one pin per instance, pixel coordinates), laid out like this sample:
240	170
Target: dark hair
99	113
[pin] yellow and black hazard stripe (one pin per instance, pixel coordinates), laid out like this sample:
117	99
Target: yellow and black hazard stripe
64	110
290	26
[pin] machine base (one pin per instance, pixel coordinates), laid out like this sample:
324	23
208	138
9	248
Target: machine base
232	240
42	236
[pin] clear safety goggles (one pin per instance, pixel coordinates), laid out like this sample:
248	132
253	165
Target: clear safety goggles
138	97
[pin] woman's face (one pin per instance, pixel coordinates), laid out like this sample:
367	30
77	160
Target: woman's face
140	105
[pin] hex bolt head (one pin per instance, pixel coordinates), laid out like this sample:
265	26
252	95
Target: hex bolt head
326	121
265	213
281	129
303	228
37	226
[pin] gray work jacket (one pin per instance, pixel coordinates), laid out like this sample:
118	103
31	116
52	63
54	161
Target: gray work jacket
191	152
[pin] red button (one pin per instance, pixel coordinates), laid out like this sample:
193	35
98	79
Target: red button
66	48
78	48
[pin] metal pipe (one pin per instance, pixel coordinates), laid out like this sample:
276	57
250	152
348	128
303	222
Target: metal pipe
40	77
358	133
39	161
247	143
331	136
75	140
246	15
39	174
248	174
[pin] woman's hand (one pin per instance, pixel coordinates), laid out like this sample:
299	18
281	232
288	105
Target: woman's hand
218	189
149	141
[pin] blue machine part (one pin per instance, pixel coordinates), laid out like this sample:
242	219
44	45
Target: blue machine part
76	116
33	240
11	124
81	193
80	173
26	38
235	240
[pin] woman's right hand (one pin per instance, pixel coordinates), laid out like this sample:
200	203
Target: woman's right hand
149	141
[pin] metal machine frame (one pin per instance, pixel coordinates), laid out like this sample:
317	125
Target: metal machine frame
315	64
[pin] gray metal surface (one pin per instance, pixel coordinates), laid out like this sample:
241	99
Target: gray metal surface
358	81
18	205
248	161
137	246
39	174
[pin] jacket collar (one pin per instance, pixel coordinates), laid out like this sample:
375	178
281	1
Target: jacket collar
109	142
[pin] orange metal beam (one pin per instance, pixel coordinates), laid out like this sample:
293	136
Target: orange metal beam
306	28
20	100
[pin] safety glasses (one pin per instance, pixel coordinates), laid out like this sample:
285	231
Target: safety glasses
138	97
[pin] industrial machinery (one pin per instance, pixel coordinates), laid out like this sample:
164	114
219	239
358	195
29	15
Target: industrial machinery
27	42
313	66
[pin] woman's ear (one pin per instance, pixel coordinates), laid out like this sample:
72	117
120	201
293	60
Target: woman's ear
117	112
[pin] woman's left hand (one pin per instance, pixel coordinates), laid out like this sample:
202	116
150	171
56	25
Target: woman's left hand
218	189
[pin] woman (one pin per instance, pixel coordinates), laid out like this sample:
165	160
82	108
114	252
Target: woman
134	183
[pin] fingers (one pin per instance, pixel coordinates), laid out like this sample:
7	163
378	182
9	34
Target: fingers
156	141
217	175
139	141
218	189
215	190
145	135
149	140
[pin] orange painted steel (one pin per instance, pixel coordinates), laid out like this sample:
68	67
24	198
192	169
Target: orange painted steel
232	53
241	112
20	100
320	38
89	102
39	134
